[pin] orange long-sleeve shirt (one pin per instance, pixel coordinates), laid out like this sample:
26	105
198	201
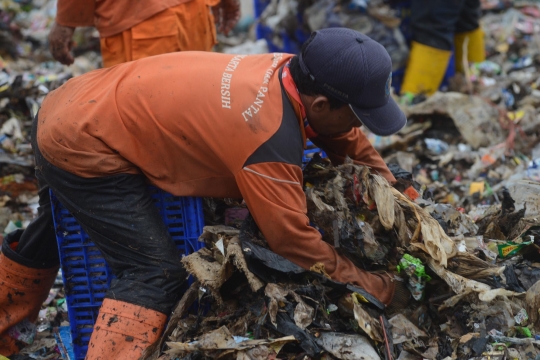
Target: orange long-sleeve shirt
110	17
204	124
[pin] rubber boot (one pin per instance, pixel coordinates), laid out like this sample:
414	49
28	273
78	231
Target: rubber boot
425	69
123	330
22	292
475	47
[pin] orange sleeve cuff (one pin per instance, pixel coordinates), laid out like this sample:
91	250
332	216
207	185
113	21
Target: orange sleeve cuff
75	13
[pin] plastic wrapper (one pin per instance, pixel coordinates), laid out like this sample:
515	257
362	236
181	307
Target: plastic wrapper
25	332
510	248
416	273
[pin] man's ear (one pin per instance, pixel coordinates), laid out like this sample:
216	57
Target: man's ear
320	104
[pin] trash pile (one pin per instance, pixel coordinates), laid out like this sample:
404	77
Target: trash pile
27	74
472	285
287	24
466	145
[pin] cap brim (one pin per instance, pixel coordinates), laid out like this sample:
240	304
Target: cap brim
385	120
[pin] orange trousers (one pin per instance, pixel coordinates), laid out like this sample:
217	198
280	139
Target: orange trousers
188	26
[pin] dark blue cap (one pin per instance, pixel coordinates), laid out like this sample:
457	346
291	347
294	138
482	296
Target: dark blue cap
357	70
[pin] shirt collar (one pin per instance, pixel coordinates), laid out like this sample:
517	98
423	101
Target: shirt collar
292	91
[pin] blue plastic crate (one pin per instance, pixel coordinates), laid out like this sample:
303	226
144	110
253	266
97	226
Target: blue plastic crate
85	273
308	153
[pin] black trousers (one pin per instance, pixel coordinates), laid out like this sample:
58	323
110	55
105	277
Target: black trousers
118	214
434	22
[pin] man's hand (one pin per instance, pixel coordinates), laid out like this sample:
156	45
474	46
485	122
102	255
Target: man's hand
61	43
226	14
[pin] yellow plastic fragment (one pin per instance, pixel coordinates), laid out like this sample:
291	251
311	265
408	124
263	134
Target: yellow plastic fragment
477	186
357	298
516	116
502	48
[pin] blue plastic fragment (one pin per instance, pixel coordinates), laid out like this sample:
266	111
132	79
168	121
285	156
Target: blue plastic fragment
65	344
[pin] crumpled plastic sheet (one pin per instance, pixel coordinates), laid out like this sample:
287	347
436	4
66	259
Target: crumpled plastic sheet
347	346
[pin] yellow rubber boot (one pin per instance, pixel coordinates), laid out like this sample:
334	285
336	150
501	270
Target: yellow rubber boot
425	69
475	47
123	331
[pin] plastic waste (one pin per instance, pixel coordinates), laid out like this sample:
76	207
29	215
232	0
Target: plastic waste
487	67
369	324
524	331
222	339
510	248
436	146
25	331
526	194
416	272
532	299
52	295
347	346
521	318
359	5
405	331
303	313
533	169
12	226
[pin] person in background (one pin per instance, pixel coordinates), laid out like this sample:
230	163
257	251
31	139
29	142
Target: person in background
440	27
131	30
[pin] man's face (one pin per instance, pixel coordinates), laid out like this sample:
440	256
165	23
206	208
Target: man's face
326	121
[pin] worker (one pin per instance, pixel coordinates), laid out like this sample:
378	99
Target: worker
194	124
131	30
440	27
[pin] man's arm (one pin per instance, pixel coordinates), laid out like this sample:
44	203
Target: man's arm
69	15
276	200
355	145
